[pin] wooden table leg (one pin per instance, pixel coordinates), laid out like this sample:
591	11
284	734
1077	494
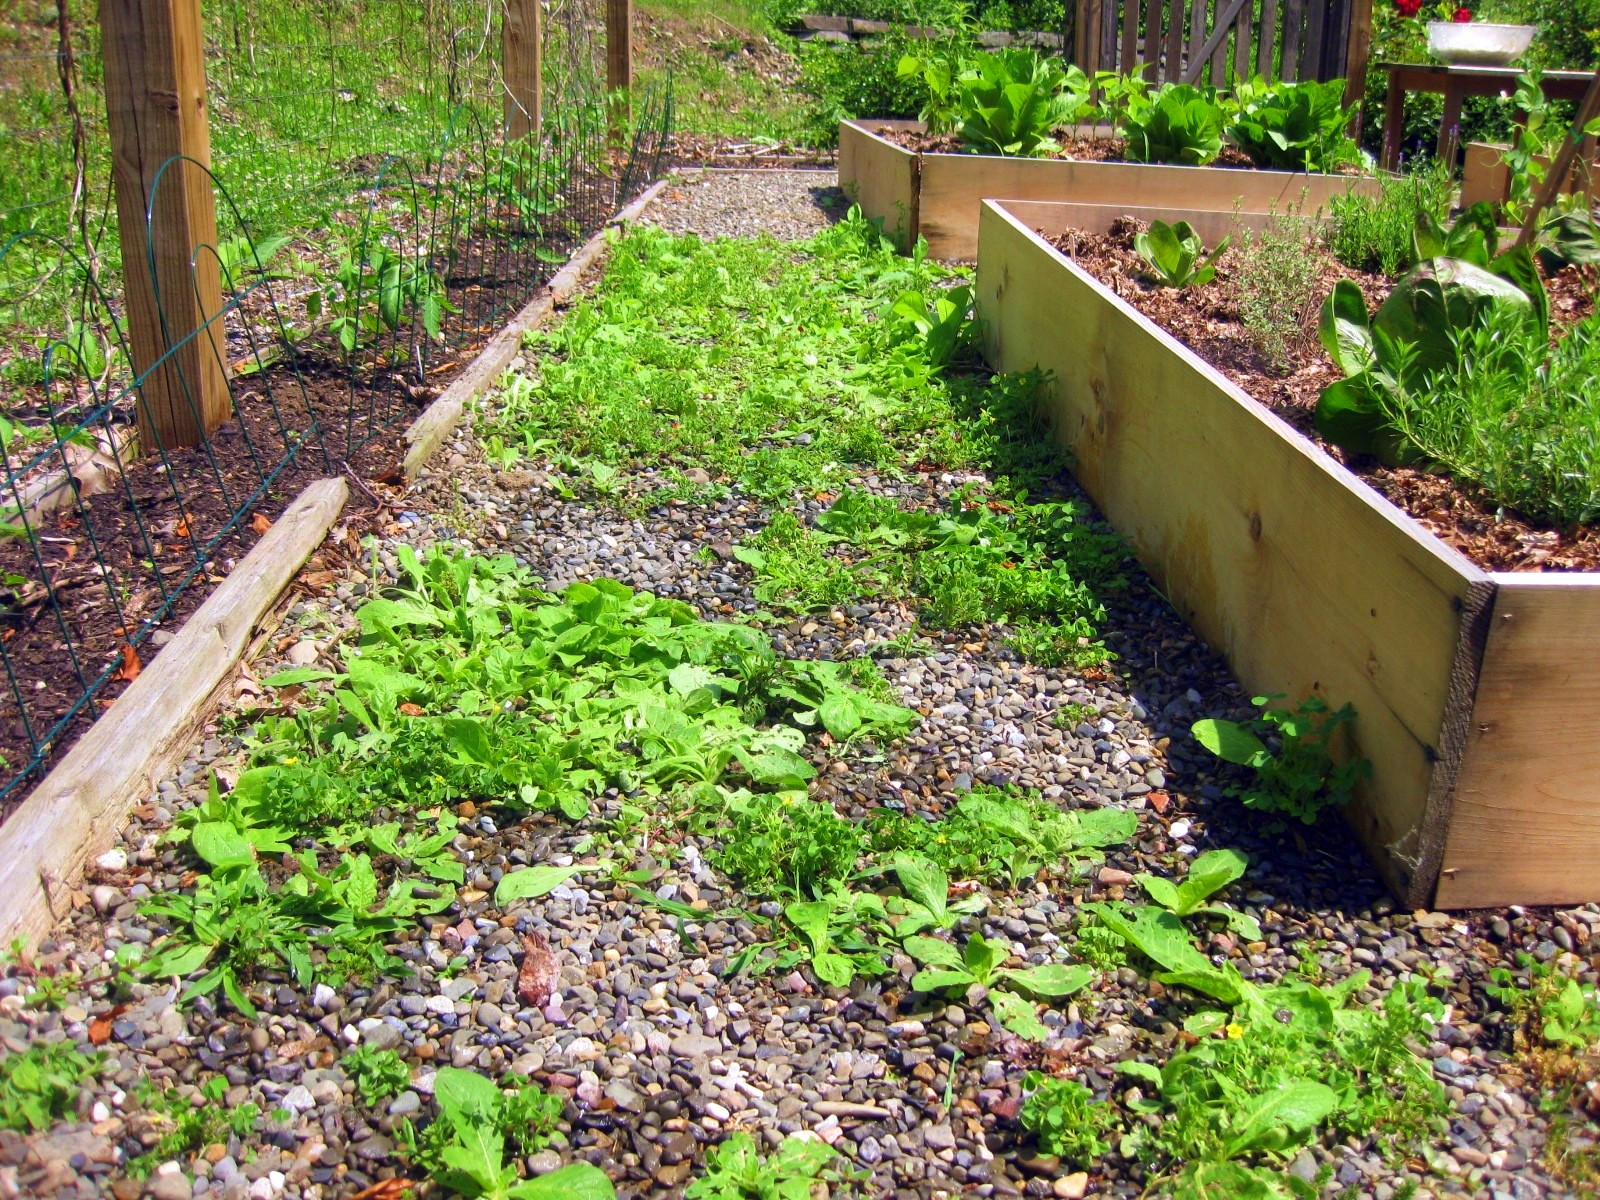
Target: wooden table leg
1394	118
1450	124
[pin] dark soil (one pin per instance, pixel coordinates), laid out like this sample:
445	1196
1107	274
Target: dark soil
91	600
1206	319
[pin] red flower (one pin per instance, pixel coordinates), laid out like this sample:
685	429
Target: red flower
1462	15
1408	8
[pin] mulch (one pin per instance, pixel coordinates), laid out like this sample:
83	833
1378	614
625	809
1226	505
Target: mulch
1206	319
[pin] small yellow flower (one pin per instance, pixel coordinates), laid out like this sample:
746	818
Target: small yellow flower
1234	1031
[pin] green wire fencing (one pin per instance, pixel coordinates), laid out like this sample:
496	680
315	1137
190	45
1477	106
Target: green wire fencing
374	229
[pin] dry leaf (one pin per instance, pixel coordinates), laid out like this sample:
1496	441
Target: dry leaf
261	523
385	1189
181	529
536	981
131	666
411	710
99	1031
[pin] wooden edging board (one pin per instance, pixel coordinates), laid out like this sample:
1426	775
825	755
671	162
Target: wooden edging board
1476	694
937	196
78	809
427	433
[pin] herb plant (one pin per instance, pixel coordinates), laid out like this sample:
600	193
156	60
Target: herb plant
1273	278
1176	255
1378	233
1299	778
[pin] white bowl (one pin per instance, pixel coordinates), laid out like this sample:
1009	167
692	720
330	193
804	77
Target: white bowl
1478	43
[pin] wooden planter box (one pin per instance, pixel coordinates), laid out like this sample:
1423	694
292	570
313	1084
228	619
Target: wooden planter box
1485	175
937	196
1477	694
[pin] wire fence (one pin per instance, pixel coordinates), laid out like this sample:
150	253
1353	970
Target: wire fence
375	228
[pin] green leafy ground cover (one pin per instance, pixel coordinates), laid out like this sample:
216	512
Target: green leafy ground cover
632	716
789	373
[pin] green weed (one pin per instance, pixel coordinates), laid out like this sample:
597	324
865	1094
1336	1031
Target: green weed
379	1075
735	1170
1066	1119
40	1085
1298	777
187	1128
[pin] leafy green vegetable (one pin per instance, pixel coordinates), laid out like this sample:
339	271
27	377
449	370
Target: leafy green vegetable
1296	126
1415	336
1010	100
1180	124
1177	255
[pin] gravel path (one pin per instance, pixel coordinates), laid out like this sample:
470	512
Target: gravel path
658	1048
722	203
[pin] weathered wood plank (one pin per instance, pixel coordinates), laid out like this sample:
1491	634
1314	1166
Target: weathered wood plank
1293	22
1172	67
1524	826
79	808
1298	573
1266	65
522	67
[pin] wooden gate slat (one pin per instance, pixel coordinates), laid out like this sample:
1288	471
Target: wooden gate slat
1130	35
1197	37
1265	63
1152	39
1311	48
1293	15
1172	69
1241	43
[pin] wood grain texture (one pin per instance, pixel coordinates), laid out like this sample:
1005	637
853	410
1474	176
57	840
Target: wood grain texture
427	433
522	67
881	177
954	186
1299	574
1053	220
155	86
1525	821
78	809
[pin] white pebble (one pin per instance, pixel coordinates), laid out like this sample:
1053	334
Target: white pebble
1179	829
113	860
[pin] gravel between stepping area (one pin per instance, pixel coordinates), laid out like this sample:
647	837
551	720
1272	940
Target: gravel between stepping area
660	1051
720	203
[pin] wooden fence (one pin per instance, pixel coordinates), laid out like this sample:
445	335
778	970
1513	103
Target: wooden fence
1218	41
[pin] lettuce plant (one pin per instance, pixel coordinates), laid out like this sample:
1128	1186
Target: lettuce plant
1181	124
1296	126
1176	255
1010	101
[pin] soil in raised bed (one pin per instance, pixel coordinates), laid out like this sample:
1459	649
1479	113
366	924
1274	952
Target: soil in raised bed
150	524
1071	146
1206	319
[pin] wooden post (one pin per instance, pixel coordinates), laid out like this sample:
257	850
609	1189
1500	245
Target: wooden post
522	67
155	84
619	60
1358	51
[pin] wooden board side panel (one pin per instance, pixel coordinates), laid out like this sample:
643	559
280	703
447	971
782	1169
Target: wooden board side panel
882	178
1525	822
954	186
1052	220
1302	578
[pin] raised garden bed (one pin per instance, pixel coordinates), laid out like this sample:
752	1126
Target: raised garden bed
1477	691
937	196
